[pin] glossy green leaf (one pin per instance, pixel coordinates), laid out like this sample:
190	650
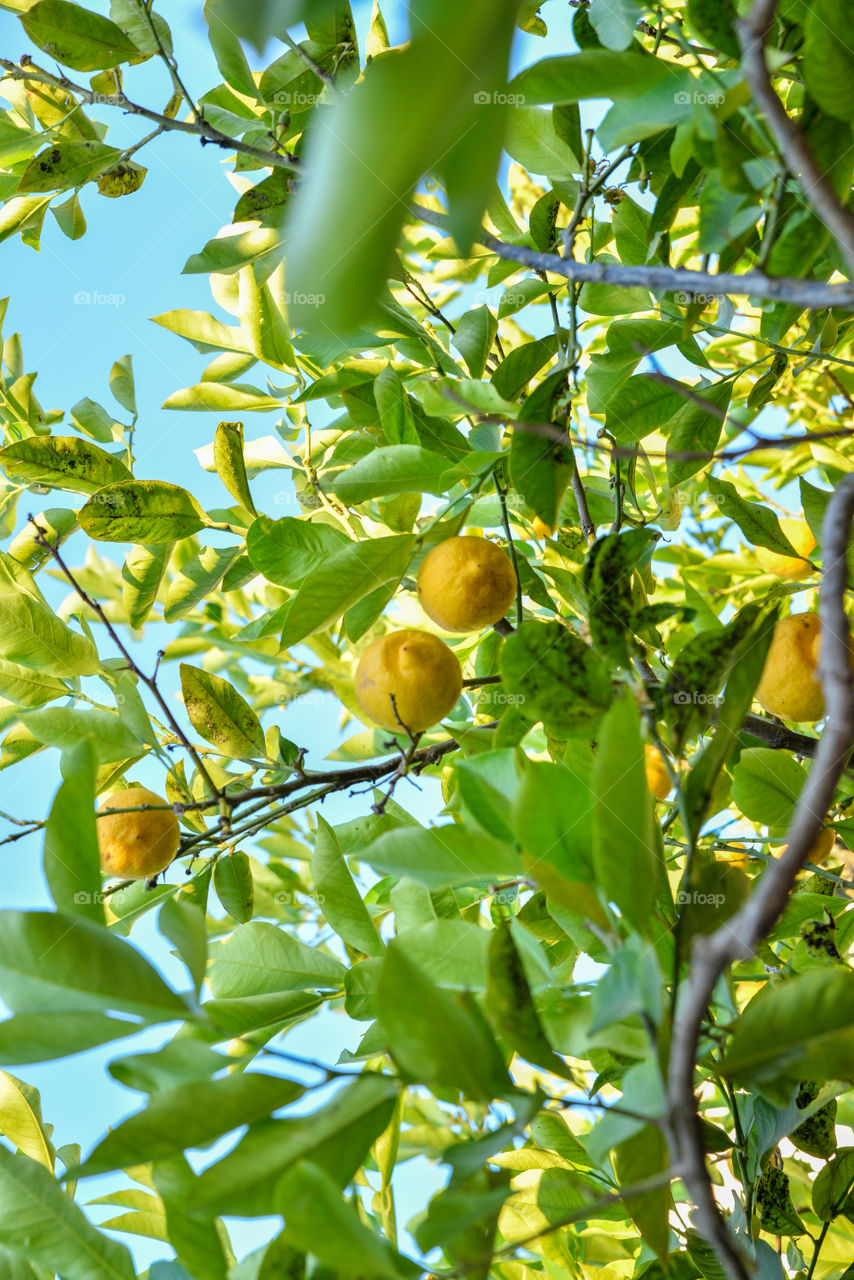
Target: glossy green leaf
220	714
234	885
443	856
39	1222
68	165
190	1115
76	36
65	727
146	511
51	963
286	551
71	858
338	896
63	462
259	959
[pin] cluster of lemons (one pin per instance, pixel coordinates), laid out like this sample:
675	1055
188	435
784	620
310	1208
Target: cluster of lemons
408	680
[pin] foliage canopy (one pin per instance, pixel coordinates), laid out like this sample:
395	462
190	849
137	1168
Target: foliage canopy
473	300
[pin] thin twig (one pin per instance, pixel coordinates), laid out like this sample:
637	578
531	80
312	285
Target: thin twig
739	936
34	74
148	681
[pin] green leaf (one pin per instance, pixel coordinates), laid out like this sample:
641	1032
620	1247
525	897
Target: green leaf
234	885
831	1190
93	419
320	1222
222	397
533	140
146	511
194	1114
798	1029
55	963
142	574
258	959
396	418
83	40
758	524
197	579
400	468
474	336
511	1007
39	1222
336	1137
28	688
696	431
71	859
554	819
286	551
21	1120
766	785
607	580
203	331
465	1057
624	846
594	73
63	462
640	406
71	164
828	59
65	727
121	383
555	677
443	857
47	1037
614	22
231	468
459	56
70	217
31	634
338	896
643	1156
343	580
221	715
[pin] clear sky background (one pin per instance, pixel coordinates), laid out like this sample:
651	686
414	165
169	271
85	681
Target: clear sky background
133	253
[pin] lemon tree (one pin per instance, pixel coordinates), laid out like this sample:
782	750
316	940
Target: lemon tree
545	313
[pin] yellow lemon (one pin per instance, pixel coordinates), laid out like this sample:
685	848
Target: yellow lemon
408	679
801	537
657	776
466	584
824	842
789	686
136	846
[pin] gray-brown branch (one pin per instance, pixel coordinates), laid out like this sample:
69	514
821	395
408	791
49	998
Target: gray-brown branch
793	146
740	935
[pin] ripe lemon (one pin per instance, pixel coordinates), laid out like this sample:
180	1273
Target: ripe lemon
408	679
657	777
466	584
801	537
136	846
824	842
788	686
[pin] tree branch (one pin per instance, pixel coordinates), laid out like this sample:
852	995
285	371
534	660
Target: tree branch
814	295
793	146
29	72
739	936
